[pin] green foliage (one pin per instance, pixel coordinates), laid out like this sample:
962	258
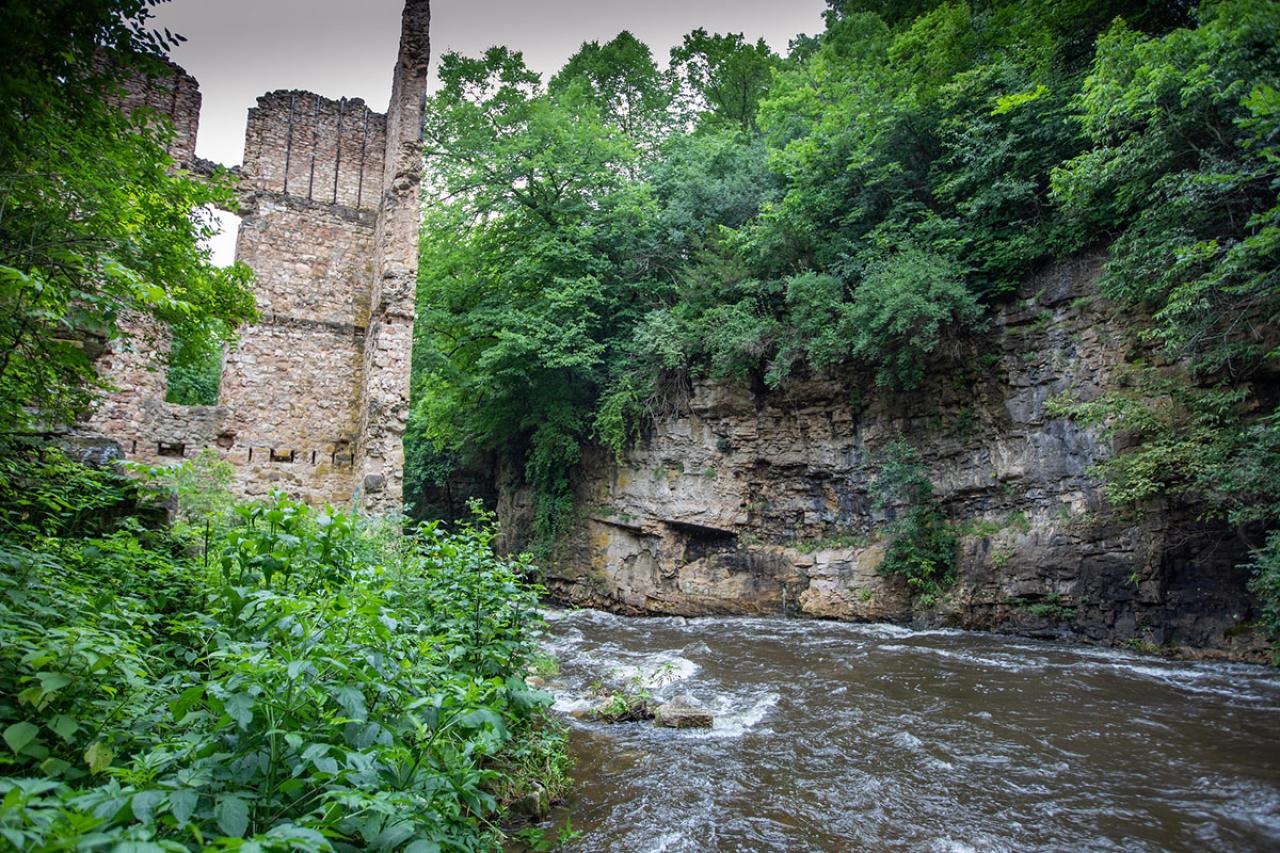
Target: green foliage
195	369
99	232
201	486
624	84
322	684
1185	164
527	268
587	256
840	541
894	321
1185	130
725	75
921	545
987	527
1266	581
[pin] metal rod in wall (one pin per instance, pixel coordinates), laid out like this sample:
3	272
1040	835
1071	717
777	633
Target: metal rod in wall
288	146
364	139
315	141
337	156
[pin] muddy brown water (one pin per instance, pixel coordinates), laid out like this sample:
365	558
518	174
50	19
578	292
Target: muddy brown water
836	737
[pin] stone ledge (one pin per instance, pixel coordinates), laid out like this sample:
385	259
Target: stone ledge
334	326
361	215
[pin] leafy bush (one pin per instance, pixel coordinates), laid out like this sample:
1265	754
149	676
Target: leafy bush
321	684
861	202
922	546
596	245
1265	583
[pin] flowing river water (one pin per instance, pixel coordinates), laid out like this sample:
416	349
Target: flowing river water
832	736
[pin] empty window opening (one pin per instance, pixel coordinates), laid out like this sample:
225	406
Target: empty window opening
195	365
195	351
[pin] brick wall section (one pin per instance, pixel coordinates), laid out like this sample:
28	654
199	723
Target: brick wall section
292	387
309	260
293	383
173	93
312	141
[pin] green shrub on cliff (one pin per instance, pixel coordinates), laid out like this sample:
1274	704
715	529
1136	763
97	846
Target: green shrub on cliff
921	544
903	171
593	245
1185	165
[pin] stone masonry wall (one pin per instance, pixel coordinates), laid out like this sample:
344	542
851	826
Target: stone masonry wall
757	501
310	147
385	407
330	220
174	94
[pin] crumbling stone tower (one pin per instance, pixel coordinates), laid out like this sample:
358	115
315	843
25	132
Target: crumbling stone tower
315	396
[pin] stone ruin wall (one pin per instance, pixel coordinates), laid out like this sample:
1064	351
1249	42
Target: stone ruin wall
314	396
384	411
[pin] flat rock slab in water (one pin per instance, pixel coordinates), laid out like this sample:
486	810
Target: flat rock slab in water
682	713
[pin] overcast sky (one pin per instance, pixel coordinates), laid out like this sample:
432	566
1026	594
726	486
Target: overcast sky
240	49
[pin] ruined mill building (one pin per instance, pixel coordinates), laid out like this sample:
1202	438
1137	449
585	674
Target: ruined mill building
314	396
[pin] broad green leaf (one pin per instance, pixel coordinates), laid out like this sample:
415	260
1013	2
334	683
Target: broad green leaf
98	756
233	816
64	726
54	767
422	846
183	804
239	707
144	805
52	682
179	706
20	735
352	701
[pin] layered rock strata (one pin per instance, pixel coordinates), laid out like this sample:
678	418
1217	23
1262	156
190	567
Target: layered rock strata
759	502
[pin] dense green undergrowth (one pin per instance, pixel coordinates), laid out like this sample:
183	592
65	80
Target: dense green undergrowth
267	676
599	244
253	676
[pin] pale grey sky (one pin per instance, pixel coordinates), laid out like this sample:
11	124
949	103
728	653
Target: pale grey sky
240	49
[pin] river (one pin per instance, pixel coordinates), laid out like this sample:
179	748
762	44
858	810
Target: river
832	736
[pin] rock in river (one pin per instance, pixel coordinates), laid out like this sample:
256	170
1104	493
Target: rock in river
682	712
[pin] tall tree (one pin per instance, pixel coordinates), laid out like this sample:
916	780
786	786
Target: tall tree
624	82
725	75
529	267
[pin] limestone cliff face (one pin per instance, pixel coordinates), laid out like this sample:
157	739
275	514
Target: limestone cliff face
757	501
